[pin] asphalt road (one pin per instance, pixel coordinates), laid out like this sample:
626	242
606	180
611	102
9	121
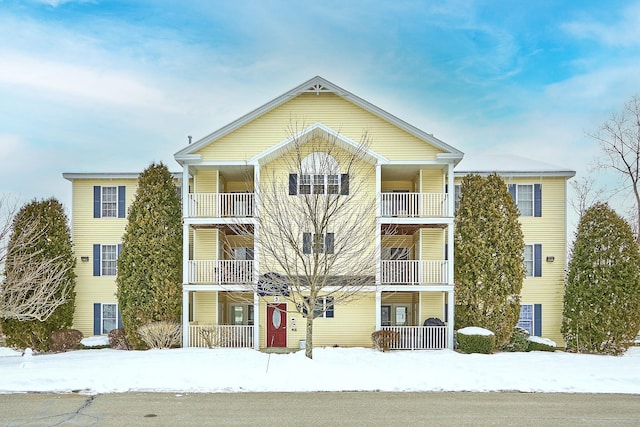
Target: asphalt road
319	409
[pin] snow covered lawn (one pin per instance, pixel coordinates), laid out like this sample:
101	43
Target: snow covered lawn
332	369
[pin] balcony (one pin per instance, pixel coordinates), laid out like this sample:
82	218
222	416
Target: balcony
220	272
221	205
413	272
418	337
230	336
414	205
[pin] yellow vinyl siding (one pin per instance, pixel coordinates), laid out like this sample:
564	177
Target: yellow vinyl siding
205	307
206	181
88	231
432	306
389	186
206	244
432	245
307	109
432	181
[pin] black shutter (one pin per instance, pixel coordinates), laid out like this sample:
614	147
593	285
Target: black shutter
293	184
344	184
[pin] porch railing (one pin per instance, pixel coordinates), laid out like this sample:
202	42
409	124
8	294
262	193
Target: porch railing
418	337
221	271
414	205
220	205
231	336
413	272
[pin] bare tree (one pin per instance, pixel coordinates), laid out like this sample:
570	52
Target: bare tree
29	284
316	223
586	194
619	139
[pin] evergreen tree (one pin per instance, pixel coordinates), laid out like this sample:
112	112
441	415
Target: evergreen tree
489	249
150	263
40	232
602	290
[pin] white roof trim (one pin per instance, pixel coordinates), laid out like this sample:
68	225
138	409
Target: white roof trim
315	85
342	140
70	176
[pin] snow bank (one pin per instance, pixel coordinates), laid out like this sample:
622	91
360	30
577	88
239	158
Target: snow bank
474	330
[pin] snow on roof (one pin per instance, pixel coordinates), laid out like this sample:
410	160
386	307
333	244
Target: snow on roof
508	164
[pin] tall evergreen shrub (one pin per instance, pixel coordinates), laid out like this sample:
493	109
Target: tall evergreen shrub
150	263
602	290
489	250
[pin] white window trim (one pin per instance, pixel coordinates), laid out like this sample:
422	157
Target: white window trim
323	301
111	214
532	320
517	199
325	184
103	318
533	260
102	260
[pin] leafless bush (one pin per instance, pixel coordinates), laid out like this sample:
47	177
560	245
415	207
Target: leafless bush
383	340
118	340
65	340
163	334
215	337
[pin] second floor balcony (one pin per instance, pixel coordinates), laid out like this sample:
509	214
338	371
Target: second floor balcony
220	272
413	272
221	205
414	205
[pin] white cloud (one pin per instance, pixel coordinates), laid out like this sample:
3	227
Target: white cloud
623	31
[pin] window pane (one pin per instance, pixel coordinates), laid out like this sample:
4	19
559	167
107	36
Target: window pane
526	318
528	260
305	184
525	200
318	184
109	317
110	202
108	260
333	184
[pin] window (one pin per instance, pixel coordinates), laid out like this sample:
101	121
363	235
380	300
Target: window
109	202
319	174
531	319
109	257
105	259
106	317
322	243
533	260
324	307
457	194
526	318
109	317
528	198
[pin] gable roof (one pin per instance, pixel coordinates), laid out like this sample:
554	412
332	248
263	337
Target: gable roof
316	85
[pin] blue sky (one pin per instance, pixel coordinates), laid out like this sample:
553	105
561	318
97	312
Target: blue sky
109	86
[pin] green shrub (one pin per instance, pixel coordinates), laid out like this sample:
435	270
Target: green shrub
538	344
476	343
518	341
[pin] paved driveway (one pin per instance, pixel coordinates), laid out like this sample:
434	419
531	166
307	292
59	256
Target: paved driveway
319	409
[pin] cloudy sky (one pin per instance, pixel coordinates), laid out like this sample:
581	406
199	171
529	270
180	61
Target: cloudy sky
109	86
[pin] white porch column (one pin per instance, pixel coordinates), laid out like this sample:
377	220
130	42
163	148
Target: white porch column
450	317
256	321
378	310
451	197
378	235
185	191
185	318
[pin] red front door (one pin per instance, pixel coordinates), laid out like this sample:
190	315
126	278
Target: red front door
277	325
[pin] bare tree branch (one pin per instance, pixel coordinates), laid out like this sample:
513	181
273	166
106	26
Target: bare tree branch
29	283
619	139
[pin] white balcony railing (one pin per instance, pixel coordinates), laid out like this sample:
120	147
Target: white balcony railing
233	336
221	205
414	205
413	272
220	272
418	337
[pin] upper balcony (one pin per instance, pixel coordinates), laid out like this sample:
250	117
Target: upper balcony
221	205
414	205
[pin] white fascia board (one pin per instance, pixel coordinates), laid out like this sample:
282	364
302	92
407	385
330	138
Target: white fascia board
71	176
188	158
518	174
417	162
222	163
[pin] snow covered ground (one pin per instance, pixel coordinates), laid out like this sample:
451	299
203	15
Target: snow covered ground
332	369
